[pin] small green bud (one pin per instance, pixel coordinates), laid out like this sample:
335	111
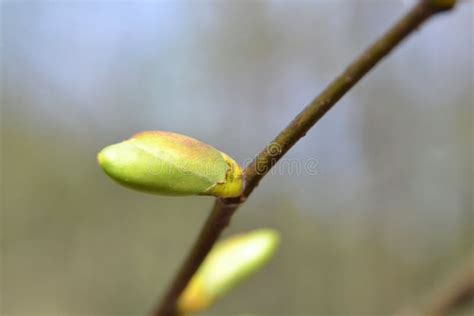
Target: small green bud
171	164
229	263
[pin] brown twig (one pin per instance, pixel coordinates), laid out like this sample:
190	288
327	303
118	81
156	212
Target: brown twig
265	160
452	295
458	292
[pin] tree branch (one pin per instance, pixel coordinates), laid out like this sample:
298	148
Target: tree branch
224	208
457	292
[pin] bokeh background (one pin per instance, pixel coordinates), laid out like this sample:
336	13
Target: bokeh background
386	218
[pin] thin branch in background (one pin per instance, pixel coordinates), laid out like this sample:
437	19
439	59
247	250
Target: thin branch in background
457	293
224	208
454	294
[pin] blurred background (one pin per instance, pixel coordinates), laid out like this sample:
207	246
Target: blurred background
387	216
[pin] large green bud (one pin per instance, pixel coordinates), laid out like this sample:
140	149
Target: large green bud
171	164
229	263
